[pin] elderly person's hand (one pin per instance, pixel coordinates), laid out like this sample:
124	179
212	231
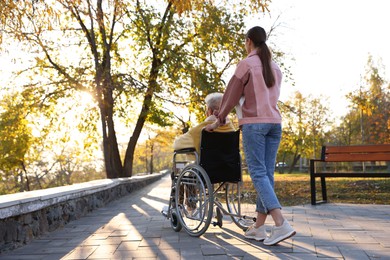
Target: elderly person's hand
211	127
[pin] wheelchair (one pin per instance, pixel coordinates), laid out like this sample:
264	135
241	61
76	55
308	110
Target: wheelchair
210	179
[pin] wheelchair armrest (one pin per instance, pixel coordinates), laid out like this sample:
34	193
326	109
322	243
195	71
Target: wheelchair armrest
186	150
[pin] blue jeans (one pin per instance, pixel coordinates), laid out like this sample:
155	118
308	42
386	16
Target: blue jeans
261	142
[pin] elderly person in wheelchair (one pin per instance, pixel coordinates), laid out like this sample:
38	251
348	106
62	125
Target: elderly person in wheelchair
206	174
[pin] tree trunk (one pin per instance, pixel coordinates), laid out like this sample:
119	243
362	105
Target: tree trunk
112	158
294	162
151	166
128	164
129	156
27	179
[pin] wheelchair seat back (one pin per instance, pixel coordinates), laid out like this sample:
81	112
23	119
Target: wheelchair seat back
220	156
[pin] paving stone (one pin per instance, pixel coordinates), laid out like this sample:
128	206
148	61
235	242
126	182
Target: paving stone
303	245
341	235
147	242
363	237
378	254
294	256
235	251
166	245
81	252
134	254
328	251
168	254
208	250
24	257
103	252
352	254
128	245
216	257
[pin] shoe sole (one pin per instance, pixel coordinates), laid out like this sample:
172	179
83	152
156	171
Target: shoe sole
254	238
281	239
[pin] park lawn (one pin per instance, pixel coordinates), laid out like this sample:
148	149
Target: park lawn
294	189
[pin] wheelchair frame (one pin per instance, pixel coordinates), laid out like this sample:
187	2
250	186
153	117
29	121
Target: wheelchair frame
193	197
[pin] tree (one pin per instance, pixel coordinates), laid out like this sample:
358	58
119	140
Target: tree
346	132
164	49
39	153
318	121
294	129
155	153
370	114
15	141
305	120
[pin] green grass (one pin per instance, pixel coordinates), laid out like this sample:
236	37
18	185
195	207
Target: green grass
294	189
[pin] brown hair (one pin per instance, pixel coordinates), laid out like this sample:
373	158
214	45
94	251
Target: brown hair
258	37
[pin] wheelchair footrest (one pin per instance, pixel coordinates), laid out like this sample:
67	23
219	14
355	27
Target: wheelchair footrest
216	224
219	218
164	211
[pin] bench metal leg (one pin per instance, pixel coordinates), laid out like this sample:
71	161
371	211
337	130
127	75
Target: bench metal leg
312	184
323	189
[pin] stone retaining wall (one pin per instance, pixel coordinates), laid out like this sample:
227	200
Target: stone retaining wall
27	215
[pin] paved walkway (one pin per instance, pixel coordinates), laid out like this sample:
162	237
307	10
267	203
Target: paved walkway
133	228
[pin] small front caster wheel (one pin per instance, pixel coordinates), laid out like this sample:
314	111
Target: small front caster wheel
175	223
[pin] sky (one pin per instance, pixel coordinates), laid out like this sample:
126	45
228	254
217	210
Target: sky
330	42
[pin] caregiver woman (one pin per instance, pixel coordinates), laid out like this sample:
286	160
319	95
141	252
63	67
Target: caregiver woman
255	89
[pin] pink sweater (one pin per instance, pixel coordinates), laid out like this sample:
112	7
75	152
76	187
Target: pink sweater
260	102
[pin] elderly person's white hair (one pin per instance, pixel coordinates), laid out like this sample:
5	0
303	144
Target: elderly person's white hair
213	100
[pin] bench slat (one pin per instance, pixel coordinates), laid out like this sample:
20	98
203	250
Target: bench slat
358	148
357	157
353	174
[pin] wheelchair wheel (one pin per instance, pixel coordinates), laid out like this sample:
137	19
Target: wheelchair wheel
194	198
241	201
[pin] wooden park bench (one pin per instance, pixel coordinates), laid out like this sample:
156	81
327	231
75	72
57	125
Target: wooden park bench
351	153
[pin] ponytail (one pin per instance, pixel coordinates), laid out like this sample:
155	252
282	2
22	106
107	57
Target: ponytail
258	37
265	56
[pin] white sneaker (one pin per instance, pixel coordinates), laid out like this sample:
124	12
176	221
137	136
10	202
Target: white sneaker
279	234
258	234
